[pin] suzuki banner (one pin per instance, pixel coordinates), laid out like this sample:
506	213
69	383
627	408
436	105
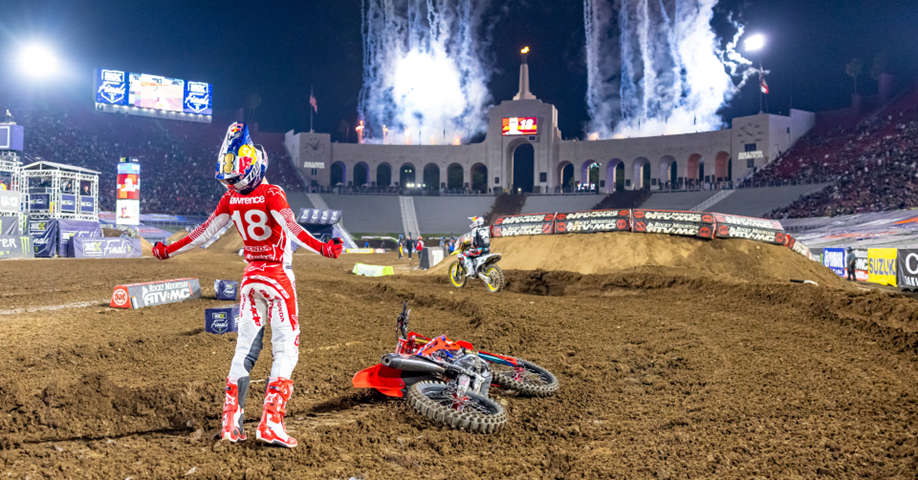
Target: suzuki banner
516	225
75	228
139	295
593	221
44	237
907	268
881	263
836	260
16	247
109	247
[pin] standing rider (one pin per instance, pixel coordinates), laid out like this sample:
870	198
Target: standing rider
481	244
267	295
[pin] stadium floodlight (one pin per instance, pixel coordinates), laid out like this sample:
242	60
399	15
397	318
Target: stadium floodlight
37	60
755	42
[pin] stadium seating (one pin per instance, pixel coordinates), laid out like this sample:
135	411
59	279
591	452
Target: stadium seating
446	215
756	202
367	213
677	200
548	203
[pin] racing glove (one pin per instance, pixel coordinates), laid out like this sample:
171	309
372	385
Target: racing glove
161	251
332	248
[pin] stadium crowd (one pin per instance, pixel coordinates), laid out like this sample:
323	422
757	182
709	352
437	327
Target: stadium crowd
177	158
874	165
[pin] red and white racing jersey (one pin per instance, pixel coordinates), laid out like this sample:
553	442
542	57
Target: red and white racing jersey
264	220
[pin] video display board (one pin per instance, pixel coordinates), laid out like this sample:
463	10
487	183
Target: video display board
128	181
153	92
520	126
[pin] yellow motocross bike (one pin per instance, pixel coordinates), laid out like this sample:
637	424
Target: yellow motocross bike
485	268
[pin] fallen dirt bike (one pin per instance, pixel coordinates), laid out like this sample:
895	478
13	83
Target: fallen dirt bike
485	268
448	381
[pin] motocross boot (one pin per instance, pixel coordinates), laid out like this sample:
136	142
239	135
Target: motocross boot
469	267
233	406
272	429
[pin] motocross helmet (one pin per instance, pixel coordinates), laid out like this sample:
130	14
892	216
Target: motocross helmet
241	164
476	222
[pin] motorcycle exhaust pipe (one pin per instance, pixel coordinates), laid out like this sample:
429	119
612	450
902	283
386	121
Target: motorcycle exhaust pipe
411	364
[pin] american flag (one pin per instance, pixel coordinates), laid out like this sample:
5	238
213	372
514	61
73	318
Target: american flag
312	101
763	86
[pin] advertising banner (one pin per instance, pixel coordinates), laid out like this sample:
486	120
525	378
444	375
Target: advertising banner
226	289
836	260
40	202
75	228
15	246
68	203
86	204
107	247
750	233
372	270
127	212
221	320
44	237
861	264
802	249
530	224
816	254
907	268
617	220
671	222
9	201
881	263
139	295
752	222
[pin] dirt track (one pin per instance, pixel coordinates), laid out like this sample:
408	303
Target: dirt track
664	375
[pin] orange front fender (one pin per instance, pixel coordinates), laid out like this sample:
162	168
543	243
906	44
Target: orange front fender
387	380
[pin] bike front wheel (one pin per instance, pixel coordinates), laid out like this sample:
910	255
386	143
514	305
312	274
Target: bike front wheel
472	412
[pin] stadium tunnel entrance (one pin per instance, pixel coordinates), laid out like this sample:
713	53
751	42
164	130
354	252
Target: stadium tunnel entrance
523	168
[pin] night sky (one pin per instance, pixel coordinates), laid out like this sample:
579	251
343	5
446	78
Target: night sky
279	48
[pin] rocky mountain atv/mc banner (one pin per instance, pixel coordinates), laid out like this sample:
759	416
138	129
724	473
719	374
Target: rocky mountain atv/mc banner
530	224
672	222
139	295
617	220
750	228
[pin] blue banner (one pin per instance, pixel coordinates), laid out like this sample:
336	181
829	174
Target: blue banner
110	247
68	203
111	86
40	202
75	228
44	237
836	260
86	204
197	98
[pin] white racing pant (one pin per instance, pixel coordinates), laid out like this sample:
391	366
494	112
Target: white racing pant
267	295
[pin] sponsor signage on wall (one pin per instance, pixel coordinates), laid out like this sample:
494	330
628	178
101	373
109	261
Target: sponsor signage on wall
87	204
9	201
16	246
139	295
860	264
671	222
108	247
881	266
907	268
44	236
835	259
315	216
75	228
516	225
750	233
593	221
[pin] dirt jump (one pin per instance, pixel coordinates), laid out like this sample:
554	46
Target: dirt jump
677	357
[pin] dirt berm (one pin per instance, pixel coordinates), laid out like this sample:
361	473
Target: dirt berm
731	260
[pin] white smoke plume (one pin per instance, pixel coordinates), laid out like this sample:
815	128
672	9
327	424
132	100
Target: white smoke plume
656	67
423	72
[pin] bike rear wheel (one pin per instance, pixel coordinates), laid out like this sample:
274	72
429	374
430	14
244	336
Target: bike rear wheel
474	413
457	275
526	378
495	278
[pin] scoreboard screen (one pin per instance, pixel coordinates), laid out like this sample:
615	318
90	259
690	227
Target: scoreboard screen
520	126
129	181
152	92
